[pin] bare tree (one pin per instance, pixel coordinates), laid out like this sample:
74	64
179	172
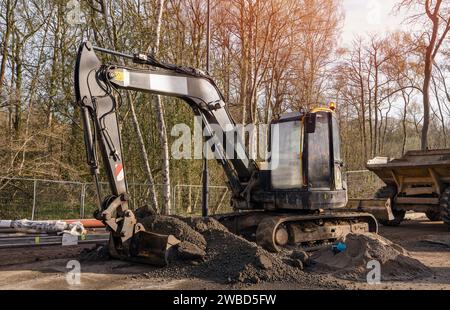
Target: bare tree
143	153
9	25
438	14
154	47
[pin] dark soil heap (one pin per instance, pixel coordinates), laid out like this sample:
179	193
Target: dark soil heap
210	252
351	264
228	258
166	225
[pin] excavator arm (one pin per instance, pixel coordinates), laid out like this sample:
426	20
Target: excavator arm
201	94
96	86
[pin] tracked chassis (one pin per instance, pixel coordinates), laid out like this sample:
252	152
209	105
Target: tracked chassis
278	231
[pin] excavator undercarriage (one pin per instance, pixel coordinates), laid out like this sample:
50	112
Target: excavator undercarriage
280	231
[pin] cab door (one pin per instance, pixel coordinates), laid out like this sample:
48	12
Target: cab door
337	159
286	159
319	154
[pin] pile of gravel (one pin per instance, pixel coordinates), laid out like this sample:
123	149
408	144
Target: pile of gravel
166	225
228	259
351	264
210	252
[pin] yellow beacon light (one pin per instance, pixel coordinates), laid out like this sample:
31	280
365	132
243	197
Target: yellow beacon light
332	106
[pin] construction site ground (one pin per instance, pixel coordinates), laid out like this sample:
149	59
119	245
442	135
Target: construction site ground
45	267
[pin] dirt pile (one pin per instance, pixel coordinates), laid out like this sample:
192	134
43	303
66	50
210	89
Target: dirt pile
351	264
203	225
167	225
229	258
210	252
233	259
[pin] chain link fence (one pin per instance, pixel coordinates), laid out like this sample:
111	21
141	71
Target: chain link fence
187	200
39	199
362	184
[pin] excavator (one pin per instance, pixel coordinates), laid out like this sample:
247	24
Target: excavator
297	198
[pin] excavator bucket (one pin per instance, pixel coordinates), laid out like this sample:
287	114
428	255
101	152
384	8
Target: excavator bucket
151	248
145	248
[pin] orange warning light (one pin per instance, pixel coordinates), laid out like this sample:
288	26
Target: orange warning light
332	106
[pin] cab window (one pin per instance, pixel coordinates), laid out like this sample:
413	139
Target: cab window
286	162
319	170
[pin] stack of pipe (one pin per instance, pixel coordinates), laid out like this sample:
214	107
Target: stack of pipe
43	227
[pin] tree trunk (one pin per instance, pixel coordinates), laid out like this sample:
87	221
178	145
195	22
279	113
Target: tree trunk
167	203
431	51
18	86
143	153
32	89
5	43
363	112
244	66
441	114
167	206
426	102
375	105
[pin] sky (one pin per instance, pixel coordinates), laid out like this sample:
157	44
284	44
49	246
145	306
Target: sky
369	16
363	17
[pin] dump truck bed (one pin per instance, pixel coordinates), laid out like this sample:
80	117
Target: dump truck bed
415	167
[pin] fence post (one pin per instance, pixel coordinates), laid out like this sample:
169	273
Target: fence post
83	195
34	200
174	198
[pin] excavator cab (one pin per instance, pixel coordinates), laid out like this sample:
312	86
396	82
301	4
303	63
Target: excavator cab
302	188
306	161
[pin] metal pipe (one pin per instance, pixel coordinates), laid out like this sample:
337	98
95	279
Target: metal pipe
26	245
34	200
111	52
40	180
87	223
205	189
83	194
208	36
98	191
357	171
205	178
43	240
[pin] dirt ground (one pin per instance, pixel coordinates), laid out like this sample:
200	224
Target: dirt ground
45	267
